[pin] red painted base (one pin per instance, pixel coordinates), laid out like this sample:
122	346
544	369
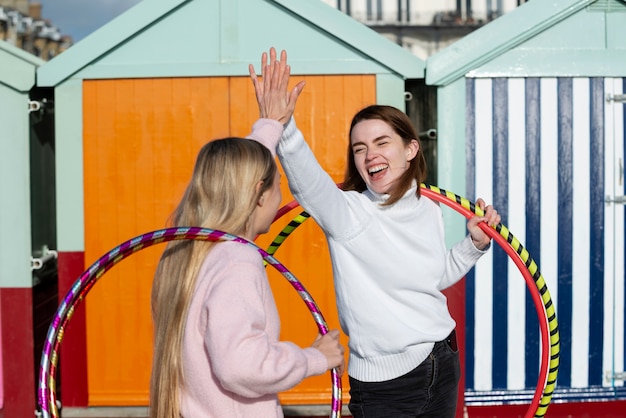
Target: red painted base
615	409
18	363
73	388
456	305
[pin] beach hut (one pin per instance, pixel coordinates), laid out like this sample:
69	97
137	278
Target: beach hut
134	101
27	263
531	117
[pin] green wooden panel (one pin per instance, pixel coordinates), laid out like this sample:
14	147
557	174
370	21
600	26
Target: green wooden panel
566	50
540	38
451	158
15	240
17	67
546	63
69	166
390	91
616	30
608	6
17	78
221	37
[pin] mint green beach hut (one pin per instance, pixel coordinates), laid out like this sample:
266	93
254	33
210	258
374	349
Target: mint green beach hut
133	103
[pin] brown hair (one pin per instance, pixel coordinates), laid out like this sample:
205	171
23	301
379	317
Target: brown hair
403	126
221	195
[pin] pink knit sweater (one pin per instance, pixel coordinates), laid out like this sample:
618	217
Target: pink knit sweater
234	364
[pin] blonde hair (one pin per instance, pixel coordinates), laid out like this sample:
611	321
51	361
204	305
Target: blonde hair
222	194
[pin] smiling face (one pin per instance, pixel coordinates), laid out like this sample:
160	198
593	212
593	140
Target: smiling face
381	156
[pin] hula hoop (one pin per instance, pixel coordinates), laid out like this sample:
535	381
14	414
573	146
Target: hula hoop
550	343
47	384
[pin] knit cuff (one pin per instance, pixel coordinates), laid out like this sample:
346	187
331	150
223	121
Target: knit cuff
316	361
267	132
468	248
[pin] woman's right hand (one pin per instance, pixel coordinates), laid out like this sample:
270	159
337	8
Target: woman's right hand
329	345
274	99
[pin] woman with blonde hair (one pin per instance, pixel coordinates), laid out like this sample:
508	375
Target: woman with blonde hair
216	347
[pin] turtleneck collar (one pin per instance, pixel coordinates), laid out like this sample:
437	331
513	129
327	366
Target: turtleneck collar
409	197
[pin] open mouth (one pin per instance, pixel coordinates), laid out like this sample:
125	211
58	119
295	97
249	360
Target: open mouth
372	171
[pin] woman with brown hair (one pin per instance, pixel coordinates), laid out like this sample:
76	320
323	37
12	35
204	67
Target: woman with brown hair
389	258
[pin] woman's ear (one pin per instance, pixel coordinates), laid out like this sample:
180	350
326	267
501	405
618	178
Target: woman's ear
257	190
411	149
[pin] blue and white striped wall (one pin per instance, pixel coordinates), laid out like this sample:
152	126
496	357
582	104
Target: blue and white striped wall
548	152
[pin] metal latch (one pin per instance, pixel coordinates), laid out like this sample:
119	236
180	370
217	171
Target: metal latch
617	98
617	375
619	200
38	263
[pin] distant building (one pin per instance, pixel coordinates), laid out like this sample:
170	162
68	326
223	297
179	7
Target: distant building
21	25
424	27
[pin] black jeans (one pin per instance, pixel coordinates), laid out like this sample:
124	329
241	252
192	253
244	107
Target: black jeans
430	390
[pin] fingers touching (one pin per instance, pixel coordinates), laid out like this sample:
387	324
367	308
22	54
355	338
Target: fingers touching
272	91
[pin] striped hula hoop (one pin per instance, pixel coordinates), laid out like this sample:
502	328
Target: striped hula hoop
550	342
47	397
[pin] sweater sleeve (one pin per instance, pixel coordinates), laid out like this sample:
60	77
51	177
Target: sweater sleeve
246	359
267	132
461	258
314	189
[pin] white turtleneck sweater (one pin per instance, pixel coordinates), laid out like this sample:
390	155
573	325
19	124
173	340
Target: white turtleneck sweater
390	263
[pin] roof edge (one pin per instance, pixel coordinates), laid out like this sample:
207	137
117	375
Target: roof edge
16	76
100	42
20	53
513	28
341	26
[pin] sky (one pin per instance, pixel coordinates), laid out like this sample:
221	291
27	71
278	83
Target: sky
79	18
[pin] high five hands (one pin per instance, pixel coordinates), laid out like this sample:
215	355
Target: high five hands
272	94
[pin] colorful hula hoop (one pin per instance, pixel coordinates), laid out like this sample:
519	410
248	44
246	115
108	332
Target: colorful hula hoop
47	384
550	344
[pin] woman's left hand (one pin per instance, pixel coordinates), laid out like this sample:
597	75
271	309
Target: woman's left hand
491	217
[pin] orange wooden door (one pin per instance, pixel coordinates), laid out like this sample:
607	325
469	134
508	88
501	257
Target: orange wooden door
141	137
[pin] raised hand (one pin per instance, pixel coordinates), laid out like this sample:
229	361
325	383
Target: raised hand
273	97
